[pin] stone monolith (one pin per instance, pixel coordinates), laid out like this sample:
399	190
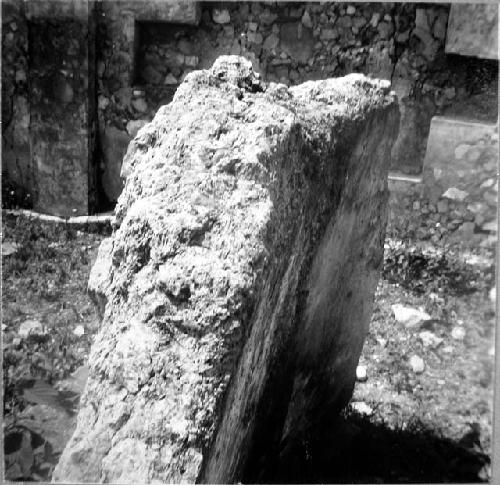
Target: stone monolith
237	287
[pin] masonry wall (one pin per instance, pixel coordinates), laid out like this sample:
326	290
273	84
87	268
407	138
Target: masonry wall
16	162
144	50
50	152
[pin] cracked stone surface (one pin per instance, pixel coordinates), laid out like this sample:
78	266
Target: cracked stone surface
237	287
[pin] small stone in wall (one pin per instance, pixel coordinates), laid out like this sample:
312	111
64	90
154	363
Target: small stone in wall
244	11
440	25
20	76
221	15
133	126
375	19
170	79
140	105
267	18
344	23
271	42
351	10
191	61
358	22
256	8
421	19
255	38
403	36
102	102
306	20
449	93
329	34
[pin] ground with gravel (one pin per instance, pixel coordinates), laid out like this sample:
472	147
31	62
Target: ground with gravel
421	409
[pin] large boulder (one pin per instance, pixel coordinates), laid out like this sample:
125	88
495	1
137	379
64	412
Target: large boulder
237	287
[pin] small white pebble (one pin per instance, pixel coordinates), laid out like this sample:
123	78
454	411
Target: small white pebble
417	364
458	333
361	374
430	339
79	331
448	349
491	352
382	341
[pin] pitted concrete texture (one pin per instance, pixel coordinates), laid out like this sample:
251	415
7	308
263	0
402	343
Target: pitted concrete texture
473	30
237	287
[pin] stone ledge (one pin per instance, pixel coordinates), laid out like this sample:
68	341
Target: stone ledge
104	218
402	177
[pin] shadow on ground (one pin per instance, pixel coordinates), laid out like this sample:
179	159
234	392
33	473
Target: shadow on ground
364	452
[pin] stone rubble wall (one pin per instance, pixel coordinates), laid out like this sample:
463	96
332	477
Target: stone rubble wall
456	199
49	87
237	288
16	156
286	42
292	43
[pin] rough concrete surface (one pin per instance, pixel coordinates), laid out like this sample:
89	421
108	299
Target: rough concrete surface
237	287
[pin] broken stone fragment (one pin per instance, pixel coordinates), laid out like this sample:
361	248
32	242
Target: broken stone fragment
140	105
306	20
170	79
408	316
237	288
455	194
133	126
417	364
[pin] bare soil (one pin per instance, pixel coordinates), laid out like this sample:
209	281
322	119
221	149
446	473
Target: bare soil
430	426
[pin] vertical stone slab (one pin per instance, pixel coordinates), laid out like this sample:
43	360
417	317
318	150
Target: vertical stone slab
62	105
473	30
237	288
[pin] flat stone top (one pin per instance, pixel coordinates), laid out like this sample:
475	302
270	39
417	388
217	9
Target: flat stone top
473	30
